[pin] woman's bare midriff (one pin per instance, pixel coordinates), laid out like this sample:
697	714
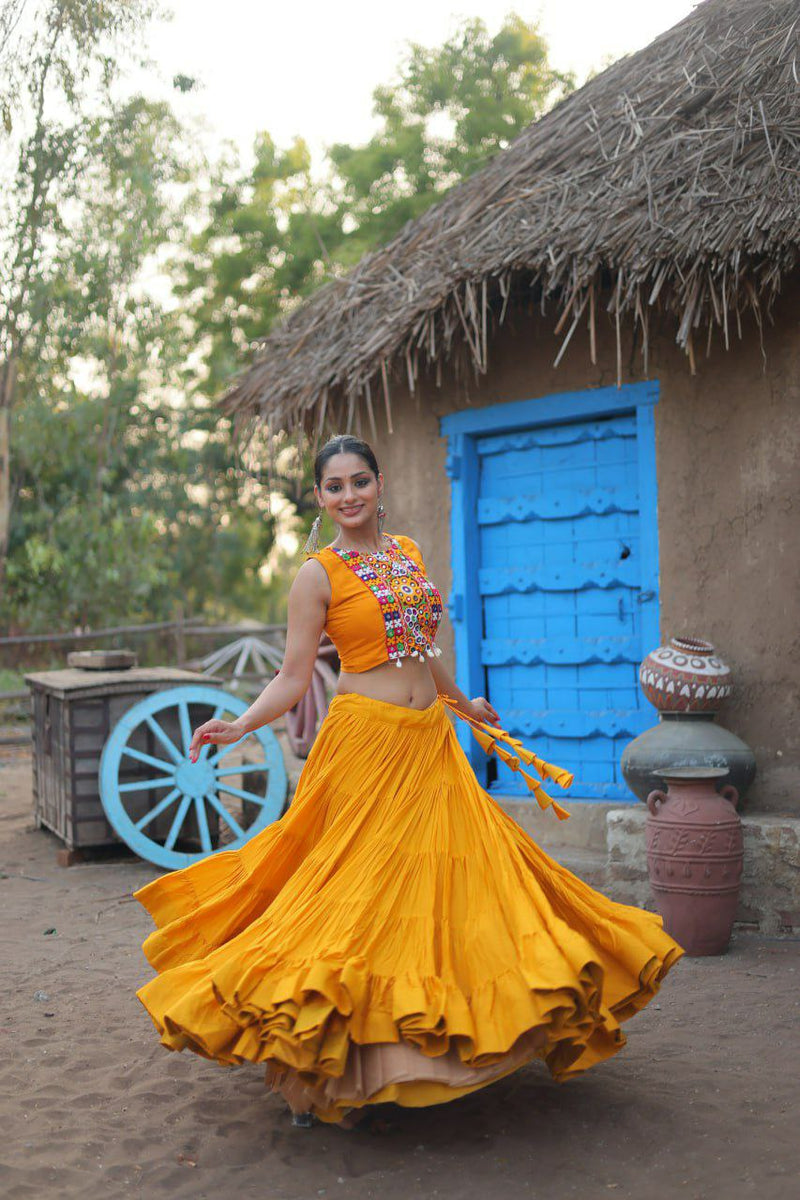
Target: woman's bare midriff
410	685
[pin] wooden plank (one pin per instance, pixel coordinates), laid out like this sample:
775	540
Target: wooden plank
78	684
566	651
558	407
464	604
649	610
496	581
557	504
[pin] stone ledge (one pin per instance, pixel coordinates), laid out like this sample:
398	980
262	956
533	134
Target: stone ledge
770	897
585	829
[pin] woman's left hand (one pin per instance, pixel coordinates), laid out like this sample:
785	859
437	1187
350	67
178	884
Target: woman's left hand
482	710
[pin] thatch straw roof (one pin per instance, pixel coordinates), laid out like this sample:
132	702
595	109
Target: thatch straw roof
669	183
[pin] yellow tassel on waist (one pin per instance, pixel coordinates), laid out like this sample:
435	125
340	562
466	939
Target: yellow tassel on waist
489	737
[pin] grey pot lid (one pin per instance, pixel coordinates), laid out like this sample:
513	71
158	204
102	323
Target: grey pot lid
691	773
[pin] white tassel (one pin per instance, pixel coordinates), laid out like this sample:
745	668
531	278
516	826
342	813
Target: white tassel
398	663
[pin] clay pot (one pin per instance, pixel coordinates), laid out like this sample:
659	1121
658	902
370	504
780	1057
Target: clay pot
683	740
695	857
686	675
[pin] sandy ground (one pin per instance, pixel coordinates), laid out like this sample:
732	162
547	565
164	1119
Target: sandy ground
701	1103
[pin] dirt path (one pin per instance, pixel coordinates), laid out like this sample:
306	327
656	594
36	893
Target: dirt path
701	1104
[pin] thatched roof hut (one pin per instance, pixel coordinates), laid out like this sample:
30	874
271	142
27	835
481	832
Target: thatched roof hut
668	184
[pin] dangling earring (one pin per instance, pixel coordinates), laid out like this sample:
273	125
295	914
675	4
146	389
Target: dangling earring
312	545
381	517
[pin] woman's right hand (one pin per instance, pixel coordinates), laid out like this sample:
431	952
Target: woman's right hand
220	733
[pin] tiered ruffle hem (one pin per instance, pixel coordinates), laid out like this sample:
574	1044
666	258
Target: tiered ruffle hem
396	935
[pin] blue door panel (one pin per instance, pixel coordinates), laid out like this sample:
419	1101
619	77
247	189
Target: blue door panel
559	534
552	435
555	575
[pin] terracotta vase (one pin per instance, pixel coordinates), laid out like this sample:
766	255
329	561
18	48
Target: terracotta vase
695	858
686	675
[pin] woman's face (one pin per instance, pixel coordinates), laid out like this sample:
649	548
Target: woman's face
349	492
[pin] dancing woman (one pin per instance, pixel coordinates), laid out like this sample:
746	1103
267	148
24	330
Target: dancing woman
395	936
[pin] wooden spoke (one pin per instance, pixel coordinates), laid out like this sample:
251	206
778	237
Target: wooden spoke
175	827
142	785
226	816
160	763
242	769
186	727
234	791
159	808
202	823
167	743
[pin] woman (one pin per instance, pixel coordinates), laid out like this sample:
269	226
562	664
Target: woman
395	936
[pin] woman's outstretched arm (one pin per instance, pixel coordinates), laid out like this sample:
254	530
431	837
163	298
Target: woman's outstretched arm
308	605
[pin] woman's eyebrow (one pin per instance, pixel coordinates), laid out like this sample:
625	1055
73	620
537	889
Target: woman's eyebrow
337	478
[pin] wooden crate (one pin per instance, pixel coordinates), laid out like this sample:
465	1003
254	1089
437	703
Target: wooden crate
73	713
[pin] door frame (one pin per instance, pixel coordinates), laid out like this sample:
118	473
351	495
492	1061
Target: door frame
462	430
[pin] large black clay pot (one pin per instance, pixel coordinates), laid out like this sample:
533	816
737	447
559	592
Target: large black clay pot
683	741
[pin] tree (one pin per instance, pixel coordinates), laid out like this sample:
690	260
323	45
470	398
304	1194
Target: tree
55	59
260	250
127	490
128	499
275	233
453	108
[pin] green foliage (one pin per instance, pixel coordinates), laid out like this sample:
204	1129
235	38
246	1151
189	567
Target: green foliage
136	279
119	530
257	254
126	500
454	107
11	681
274	233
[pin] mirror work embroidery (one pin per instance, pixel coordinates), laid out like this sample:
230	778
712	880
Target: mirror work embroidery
411	606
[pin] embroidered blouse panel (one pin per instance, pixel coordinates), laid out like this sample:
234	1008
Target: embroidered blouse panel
383	607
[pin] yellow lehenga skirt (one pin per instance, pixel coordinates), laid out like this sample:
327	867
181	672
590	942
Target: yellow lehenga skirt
395	936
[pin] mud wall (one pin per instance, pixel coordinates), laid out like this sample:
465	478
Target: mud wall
728	462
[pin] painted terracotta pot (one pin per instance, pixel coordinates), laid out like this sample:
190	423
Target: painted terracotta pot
686	675
695	857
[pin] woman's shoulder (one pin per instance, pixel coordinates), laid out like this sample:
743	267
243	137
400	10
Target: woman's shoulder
312	574
408	546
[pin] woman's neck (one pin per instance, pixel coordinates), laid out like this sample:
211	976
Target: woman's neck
371	545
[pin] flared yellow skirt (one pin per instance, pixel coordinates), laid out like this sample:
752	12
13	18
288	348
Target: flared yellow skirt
396	935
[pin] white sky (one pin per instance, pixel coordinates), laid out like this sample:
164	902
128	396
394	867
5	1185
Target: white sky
309	67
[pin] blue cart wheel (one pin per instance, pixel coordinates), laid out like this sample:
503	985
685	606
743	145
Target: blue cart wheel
170	810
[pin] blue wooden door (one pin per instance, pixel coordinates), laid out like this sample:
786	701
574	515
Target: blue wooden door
561	550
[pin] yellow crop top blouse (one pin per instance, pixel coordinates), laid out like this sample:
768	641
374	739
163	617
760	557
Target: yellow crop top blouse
383	607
